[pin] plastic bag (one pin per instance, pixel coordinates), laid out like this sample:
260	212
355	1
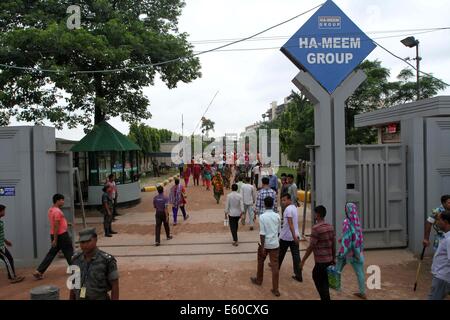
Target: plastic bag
334	278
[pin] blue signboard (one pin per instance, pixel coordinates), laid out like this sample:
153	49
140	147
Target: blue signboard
7	191
329	46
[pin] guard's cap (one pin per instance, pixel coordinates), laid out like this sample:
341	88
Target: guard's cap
87	234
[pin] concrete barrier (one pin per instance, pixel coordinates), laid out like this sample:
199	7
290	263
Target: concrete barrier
301	196
164	183
149	189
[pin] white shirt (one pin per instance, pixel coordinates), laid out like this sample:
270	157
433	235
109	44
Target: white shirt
248	193
441	261
256	170
234	205
270	227
289	212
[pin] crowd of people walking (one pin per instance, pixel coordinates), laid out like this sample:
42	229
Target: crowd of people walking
254	196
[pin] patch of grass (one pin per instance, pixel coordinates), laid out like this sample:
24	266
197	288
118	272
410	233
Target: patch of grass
286	170
150	180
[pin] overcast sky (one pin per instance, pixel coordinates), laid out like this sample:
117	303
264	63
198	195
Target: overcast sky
250	80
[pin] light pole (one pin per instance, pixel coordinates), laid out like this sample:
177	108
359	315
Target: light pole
412	42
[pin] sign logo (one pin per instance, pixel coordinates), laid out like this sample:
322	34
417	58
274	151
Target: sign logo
329	22
7	191
329	46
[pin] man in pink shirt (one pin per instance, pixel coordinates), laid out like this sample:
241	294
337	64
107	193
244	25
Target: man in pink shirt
60	238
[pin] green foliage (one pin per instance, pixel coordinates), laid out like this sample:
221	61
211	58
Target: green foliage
33	33
207	125
148	138
296	126
296	123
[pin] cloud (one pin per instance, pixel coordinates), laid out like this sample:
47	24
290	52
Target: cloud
249	80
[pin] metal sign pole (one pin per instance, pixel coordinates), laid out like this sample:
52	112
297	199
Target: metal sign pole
305	202
329	129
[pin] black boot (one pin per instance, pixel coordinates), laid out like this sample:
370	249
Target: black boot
107	234
112	232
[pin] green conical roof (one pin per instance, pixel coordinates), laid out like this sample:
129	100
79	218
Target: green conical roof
104	138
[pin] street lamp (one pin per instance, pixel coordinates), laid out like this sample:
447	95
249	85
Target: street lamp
412	42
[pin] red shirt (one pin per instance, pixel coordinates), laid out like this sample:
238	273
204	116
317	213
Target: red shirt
197	170
322	241
55	214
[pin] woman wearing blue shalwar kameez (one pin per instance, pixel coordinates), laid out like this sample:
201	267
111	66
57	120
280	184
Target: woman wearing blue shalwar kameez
352	246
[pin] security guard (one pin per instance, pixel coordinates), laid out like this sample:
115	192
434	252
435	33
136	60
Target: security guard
98	270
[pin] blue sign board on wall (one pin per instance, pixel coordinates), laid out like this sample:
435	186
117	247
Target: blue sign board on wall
7	191
329	46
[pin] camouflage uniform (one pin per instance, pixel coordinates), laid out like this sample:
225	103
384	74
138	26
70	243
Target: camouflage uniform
107	219
96	275
432	219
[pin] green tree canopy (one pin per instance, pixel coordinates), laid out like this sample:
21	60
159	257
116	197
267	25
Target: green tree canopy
207	125
296	123
113	35
148	138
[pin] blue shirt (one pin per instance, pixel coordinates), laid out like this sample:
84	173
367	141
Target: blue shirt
441	260
273	182
160	202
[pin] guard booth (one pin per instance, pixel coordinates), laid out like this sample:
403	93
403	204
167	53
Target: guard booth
101	152
420	163
31	172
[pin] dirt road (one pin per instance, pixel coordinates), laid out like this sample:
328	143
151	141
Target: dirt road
200	262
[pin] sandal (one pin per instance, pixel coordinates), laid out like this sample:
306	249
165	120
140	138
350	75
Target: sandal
38	276
17	279
360	295
255	281
276	293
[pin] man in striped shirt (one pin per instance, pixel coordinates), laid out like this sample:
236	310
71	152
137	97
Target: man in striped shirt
323	245
265	192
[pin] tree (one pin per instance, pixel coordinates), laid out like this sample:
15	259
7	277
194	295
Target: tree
113	35
207	125
296	123
377	92
296	127
149	139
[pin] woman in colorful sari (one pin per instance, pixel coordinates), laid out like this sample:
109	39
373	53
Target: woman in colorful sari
187	175
352	247
208	176
217	183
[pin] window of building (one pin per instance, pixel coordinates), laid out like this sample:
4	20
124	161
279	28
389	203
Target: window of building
104	166
117	166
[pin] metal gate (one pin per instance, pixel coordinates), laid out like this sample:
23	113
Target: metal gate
437	161
376	183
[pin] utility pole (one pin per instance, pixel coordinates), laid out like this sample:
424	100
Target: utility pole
412	42
418	70
182	125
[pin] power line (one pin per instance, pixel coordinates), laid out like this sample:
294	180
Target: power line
272	38
410	64
277	48
204	113
164	62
